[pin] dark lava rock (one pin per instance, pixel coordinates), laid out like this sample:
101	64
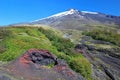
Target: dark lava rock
106	62
43	58
36	65
4	77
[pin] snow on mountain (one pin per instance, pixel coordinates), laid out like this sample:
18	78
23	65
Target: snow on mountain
69	12
89	12
77	19
72	11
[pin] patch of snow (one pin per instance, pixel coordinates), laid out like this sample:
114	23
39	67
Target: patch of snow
89	12
71	11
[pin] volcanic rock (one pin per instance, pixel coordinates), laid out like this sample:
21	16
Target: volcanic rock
105	62
4	77
41	65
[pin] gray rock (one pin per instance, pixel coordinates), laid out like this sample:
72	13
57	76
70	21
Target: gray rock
4	77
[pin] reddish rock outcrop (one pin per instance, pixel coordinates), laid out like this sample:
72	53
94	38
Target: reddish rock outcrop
35	65
42	57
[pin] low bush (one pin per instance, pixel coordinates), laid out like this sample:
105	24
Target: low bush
62	44
105	35
81	65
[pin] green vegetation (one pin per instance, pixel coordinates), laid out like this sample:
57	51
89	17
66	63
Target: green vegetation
101	46
81	65
22	39
15	41
75	35
62	44
50	65
105	35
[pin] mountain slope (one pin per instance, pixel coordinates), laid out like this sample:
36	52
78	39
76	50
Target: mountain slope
74	19
15	41
95	57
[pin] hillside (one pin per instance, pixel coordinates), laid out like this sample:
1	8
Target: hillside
89	55
15	41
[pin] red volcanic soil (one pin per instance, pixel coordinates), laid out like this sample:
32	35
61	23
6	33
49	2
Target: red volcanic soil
35	65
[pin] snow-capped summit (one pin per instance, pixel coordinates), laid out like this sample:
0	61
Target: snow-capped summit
71	11
75	19
62	14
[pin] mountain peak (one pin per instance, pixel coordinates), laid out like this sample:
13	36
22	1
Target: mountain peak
73	10
69	12
75	16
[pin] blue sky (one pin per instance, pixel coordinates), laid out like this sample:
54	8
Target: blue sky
15	11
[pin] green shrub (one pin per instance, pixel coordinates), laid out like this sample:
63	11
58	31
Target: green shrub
62	44
22	39
105	35
81	65
3	33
